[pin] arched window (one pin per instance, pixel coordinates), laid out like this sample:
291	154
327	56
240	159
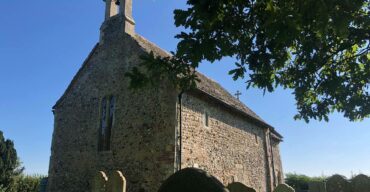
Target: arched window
106	123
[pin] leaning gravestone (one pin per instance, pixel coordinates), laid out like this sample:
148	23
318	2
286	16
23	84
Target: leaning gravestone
283	188
239	187
100	182
360	183
117	182
316	186
192	180
338	183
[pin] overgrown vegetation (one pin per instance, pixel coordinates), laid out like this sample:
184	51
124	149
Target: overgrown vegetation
11	177
25	183
300	182
9	163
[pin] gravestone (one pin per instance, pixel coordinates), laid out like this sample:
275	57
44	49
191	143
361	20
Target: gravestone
338	183
283	188
194	180
100	182
360	183
117	182
239	187
316	186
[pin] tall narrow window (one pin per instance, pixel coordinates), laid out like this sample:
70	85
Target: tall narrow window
106	123
110	122
206	119
256	138
103	124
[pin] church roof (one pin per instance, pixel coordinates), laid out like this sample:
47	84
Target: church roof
206	86
211	88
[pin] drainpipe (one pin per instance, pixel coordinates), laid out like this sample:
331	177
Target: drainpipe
268	162
179	133
273	162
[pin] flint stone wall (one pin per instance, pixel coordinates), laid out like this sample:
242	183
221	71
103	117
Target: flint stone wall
143	131
231	148
278	169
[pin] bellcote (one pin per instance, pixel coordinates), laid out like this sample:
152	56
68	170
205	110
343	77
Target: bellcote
121	10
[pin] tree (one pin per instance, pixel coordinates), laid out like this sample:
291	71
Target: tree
300	182
26	183
9	164
317	48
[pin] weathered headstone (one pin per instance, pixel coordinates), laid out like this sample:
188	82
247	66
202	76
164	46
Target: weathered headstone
317	186
100	182
117	182
239	187
338	183
194	180
360	183
283	188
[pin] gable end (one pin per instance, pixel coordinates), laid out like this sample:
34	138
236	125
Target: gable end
75	78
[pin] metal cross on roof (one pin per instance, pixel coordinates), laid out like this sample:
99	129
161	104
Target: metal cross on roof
237	94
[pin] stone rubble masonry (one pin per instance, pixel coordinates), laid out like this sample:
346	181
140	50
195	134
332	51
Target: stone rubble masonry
143	139
230	148
142	142
278	165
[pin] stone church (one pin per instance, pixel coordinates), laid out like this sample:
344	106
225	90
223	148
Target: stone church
148	135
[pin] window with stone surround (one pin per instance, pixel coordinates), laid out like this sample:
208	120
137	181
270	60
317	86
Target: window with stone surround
256	138
206	118
106	123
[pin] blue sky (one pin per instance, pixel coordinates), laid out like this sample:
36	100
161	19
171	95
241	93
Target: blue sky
44	42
